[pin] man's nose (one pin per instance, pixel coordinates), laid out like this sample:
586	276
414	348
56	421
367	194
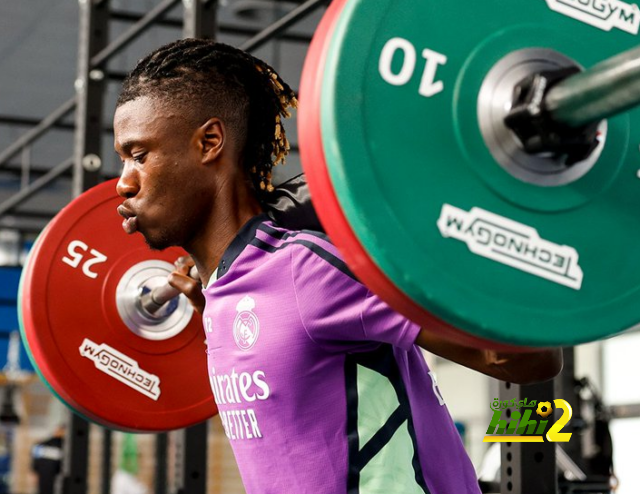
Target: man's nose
127	186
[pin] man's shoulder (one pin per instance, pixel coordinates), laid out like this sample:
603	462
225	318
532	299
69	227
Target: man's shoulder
272	250
274	239
312	256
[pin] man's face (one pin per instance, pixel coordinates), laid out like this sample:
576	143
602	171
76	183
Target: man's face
160	179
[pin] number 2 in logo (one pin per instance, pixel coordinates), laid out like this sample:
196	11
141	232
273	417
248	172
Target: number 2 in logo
554	434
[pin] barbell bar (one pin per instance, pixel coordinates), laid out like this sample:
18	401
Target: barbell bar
602	91
152	301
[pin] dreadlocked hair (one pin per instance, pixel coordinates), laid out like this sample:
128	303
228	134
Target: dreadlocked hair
213	79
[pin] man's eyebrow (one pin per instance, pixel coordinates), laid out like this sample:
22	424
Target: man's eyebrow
125	146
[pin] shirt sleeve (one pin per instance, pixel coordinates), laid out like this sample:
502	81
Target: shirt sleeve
340	313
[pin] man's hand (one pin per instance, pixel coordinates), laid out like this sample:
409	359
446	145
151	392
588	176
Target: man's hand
519	368
191	287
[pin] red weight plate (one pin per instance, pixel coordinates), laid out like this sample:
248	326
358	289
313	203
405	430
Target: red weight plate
327	205
82	347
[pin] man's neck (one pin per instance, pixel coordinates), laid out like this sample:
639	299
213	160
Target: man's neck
221	228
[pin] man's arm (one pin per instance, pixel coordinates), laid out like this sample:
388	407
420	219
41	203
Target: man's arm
518	368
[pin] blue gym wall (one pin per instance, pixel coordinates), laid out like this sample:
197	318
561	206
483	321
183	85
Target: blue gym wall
9	280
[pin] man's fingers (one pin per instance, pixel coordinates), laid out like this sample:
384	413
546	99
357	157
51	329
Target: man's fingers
190	287
183	264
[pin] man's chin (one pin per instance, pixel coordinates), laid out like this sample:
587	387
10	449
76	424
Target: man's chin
156	243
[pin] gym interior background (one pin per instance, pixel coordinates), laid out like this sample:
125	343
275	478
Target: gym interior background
42	46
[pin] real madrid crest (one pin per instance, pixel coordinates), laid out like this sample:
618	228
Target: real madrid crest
246	326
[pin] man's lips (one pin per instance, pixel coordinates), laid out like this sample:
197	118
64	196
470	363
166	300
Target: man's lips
130	222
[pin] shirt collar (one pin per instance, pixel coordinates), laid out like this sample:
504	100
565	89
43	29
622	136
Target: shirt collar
212	279
246	234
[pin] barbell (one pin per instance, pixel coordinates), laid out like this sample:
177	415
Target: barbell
470	170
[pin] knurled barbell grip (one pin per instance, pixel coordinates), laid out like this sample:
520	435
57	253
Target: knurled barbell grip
606	89
156	298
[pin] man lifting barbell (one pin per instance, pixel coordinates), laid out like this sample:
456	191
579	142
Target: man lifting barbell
320	385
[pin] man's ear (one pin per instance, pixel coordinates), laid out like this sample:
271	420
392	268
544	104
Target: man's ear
212	139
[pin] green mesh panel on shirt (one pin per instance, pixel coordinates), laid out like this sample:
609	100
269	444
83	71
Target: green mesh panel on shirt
391	469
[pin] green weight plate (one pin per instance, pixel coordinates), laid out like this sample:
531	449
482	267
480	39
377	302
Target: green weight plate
509	247
326	203
23	335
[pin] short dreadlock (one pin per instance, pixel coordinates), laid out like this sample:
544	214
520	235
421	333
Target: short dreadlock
213	79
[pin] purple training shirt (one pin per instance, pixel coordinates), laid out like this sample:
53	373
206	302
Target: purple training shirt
320	387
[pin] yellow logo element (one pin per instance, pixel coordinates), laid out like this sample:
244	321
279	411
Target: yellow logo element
544	409
520	427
